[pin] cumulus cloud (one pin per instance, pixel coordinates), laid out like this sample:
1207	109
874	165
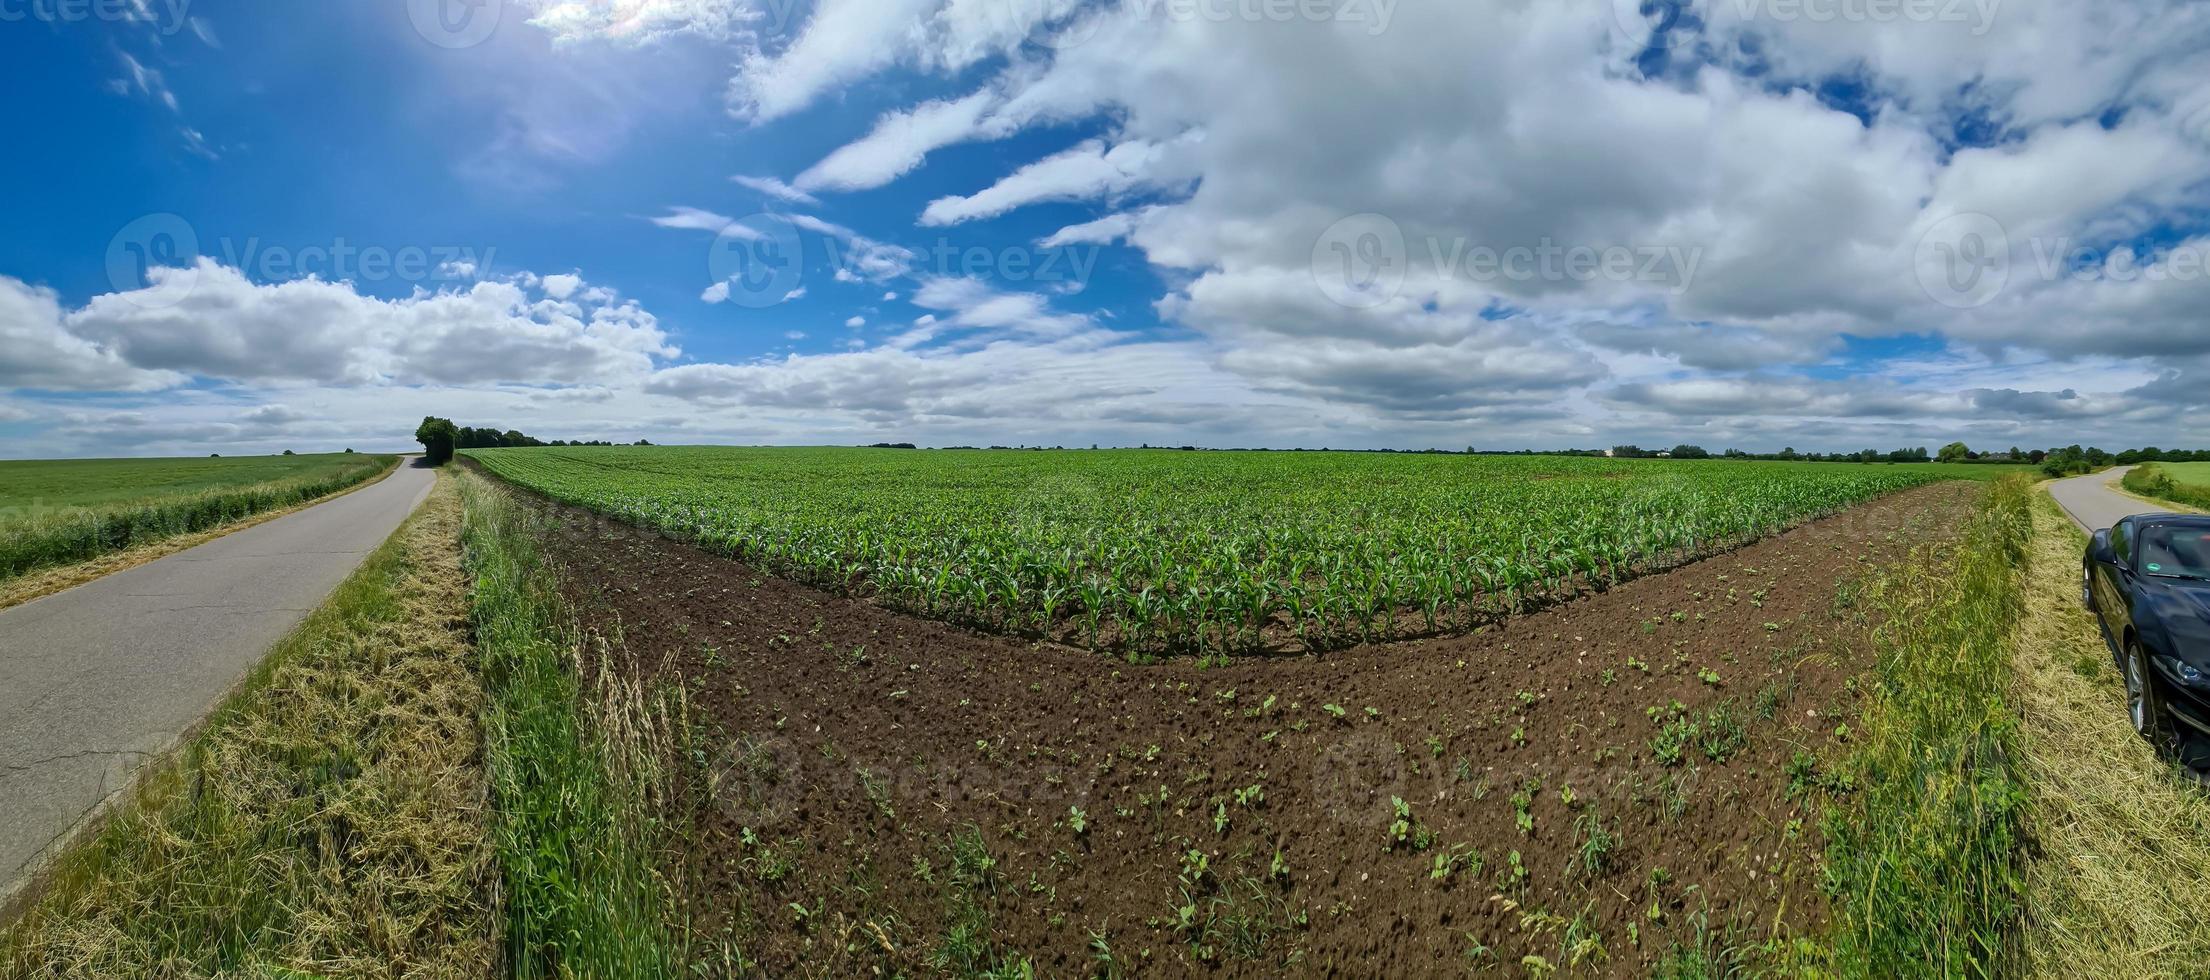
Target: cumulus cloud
1763	220
43	353
220	325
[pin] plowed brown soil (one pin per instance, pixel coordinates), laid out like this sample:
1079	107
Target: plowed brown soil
881	792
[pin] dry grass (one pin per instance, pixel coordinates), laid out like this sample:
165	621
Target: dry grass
329	820
47	581
2121	879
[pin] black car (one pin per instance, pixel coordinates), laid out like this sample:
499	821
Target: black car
2148	581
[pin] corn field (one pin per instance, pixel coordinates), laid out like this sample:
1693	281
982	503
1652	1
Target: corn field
1157	550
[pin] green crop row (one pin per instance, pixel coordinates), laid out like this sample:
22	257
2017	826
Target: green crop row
1205	552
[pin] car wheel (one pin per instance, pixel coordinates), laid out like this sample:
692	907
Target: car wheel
2143	707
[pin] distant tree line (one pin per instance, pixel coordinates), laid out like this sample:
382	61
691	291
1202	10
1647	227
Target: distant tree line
2055	462
440	438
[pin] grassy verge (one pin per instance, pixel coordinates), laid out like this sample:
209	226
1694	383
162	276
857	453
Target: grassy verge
2151	480
68	535
2121	872
1925	859
577	760
329	819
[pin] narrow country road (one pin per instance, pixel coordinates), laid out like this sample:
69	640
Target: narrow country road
96	680
2092	503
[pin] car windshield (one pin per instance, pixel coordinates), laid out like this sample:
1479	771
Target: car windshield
2176	552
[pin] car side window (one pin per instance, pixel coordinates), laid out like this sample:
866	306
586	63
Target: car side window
2121	542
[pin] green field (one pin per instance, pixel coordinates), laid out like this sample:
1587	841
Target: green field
1212	552
54	512
2185	484
2197	474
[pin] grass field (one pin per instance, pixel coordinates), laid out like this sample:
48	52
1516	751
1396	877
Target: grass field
2186	484
2195	473
1206	552
54	512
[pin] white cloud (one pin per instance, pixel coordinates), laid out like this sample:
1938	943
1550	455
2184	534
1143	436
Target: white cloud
1087	171
856	322
1103	231
856	256
716	293
562	286
844	41
43	353
899	143
210	321
698	219
775	188
145	81
638	22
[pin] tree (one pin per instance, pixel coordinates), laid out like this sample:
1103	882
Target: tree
437	437
1685	451
1955	452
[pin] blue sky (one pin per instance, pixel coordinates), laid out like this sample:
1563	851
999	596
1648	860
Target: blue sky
1116	221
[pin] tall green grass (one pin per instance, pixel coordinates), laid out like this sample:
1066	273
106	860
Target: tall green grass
43	535
2151	480
576	763
1926	862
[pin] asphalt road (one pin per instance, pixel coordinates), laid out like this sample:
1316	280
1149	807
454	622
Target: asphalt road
96	680
2093	504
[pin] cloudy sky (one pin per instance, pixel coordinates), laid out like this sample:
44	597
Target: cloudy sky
241	226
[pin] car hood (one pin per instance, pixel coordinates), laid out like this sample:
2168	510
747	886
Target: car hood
2181	609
